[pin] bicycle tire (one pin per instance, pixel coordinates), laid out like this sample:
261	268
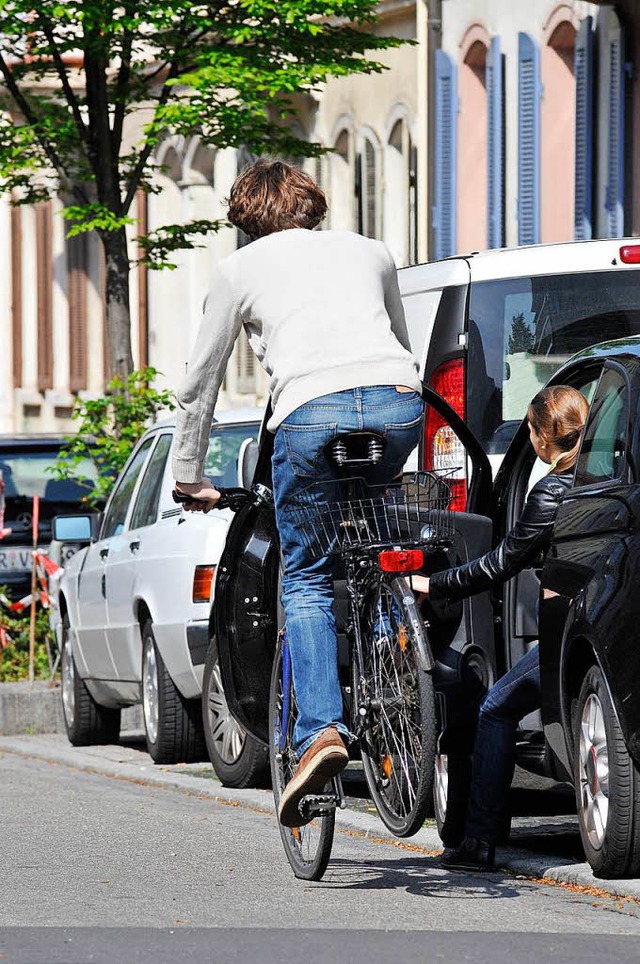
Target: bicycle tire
399	742
308	848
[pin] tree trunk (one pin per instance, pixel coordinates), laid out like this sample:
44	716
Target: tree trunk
118	307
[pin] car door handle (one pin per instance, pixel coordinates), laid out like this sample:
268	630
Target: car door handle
104	553
135	545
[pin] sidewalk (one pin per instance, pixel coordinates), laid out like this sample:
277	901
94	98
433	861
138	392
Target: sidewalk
125	762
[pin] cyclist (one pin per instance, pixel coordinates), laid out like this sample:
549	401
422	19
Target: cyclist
556	420
323	314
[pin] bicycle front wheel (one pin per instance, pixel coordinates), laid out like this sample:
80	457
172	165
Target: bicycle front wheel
308	848
399	741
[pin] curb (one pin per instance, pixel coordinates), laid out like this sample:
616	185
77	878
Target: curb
37	708
128	764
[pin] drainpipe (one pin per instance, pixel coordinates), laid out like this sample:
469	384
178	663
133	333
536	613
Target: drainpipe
429	37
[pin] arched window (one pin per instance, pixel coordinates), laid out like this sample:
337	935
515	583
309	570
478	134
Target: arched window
369	190
399	202
472	149
342	182
557	135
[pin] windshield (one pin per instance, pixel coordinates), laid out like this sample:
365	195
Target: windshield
27	472
221	463
522	330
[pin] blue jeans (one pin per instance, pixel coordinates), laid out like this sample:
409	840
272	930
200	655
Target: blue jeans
506	703
299	460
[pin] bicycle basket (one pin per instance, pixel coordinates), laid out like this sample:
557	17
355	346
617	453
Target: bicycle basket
413	511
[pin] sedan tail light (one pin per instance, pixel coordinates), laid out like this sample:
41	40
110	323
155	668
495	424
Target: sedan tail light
202	583
443	450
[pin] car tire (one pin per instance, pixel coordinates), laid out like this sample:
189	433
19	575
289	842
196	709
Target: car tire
172	724
607	783
238	759
87	723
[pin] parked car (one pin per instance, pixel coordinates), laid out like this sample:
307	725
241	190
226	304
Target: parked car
134	610
589	607
24	464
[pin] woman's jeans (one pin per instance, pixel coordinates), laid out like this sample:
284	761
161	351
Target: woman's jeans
299	460
506	703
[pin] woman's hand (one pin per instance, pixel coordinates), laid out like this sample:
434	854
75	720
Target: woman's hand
420	585
203	493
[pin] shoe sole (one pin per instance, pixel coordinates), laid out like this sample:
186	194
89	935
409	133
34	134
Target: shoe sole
326	765
470	868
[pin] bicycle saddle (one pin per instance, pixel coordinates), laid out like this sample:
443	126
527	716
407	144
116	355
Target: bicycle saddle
356	449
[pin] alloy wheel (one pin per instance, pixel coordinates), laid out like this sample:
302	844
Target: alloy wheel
594	771
228	736
68	681
441	786
150	690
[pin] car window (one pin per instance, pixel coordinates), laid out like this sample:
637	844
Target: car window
603	453
521	330
117	512
145	512
221	461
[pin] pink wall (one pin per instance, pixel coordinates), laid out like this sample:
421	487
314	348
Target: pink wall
557	136
472	151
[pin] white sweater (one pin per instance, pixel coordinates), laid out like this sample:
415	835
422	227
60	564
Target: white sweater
322	311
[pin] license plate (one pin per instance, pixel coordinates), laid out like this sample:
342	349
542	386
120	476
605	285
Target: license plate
16	559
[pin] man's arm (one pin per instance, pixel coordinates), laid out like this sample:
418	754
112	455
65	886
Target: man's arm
198	391
393	302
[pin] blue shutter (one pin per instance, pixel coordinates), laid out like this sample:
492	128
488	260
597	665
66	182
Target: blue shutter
495	144
444	211
614	201
583	69
529	92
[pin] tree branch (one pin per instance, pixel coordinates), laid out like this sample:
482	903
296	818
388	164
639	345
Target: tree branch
72	100
23	105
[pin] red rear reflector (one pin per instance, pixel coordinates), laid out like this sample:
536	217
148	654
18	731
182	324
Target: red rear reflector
630	254
202	582
401	560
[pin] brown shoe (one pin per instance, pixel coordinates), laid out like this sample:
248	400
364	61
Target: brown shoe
325	758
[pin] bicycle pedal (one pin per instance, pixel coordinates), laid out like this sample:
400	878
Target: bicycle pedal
315	804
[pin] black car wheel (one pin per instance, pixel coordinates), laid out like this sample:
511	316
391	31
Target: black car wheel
172	724
607	784
238	759
87	723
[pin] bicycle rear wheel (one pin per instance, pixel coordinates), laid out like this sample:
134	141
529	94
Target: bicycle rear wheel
308	848
399	742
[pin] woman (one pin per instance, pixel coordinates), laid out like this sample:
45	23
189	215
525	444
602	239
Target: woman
556	420
323	314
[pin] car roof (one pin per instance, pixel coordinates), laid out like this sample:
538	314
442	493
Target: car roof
523	261
222	417
22	438
609	349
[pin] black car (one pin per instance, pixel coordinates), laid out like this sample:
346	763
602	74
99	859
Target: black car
24	463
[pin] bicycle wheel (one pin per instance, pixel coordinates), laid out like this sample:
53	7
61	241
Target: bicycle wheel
307	848
399	742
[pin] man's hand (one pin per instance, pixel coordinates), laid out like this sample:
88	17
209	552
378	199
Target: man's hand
203	493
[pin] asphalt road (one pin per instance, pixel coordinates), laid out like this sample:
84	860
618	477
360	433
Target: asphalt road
99	869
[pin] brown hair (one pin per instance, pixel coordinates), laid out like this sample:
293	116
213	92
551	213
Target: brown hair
557	415
272	196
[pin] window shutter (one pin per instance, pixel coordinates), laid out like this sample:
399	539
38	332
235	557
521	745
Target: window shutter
529	92
44	277
444	213
495	144
246	366
77	301
369	189
16	294
614	195
583	70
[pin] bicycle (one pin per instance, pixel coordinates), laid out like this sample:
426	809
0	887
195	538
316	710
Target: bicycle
380	535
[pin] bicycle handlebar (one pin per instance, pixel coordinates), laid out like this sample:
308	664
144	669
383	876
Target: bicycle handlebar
230	498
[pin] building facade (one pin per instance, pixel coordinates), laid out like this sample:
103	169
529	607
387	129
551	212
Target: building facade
499	123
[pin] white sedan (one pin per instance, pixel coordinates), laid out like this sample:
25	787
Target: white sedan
133	610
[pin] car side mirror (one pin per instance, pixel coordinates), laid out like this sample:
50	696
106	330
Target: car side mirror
247	461
76	528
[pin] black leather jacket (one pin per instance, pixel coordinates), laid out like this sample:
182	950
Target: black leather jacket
528	541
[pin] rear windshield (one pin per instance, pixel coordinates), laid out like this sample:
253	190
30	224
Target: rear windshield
522	330
26	473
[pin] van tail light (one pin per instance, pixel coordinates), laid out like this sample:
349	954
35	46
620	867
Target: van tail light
202	583
443	450
401	560
630	254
